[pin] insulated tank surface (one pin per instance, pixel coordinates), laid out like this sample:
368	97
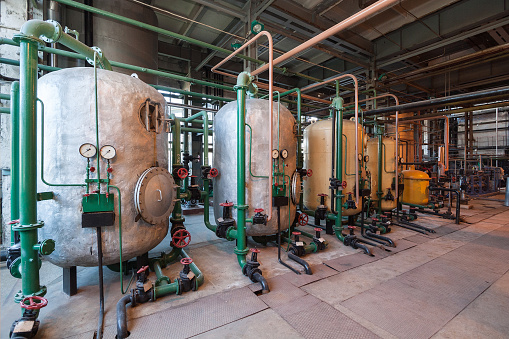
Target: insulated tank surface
388	163
318	158
140	164
225	160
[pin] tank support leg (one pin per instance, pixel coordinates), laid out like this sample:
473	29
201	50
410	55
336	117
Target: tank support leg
69	281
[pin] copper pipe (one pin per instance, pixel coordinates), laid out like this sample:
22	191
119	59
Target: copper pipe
356	93
281	89
271	91
358	17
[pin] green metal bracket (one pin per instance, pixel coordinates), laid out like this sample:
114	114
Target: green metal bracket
98	203
45	196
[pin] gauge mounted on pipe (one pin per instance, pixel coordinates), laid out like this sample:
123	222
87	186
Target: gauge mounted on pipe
88	150
275	154
284	154
108	152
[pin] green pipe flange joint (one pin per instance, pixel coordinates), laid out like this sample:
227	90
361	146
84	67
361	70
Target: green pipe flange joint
19	296
21	228
45	247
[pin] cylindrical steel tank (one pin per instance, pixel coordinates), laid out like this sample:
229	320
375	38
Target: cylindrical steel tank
416	187
69	122
388	163
225	160
317	157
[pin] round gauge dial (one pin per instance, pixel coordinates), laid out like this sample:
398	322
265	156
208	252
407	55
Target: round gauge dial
88	150
275	154
366	158
284	154
359	156
108	152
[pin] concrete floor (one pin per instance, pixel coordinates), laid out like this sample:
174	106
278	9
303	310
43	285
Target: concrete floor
452	284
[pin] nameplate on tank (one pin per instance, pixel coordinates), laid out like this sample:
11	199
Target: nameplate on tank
98	202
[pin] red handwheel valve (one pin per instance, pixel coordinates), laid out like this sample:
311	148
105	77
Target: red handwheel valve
181	238
303	219
32	305
309	172
182	173
213	172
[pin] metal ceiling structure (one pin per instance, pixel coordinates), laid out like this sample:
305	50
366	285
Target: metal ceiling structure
417	48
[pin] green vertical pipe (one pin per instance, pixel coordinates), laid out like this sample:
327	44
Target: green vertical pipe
338	227
242	86
379	188
28	165
206	206
205	131
14	154
176	216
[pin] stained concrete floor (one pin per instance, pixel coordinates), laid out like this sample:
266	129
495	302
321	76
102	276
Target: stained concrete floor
452	284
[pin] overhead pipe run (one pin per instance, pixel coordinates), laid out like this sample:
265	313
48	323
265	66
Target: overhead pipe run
357	18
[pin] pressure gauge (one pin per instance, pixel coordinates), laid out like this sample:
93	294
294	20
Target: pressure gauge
108	152
366	158
359	156
284	154
88	150
275	154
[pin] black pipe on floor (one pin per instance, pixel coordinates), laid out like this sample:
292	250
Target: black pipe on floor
301	262
265	286
122	331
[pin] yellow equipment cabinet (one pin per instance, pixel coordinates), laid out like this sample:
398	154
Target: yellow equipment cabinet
416	191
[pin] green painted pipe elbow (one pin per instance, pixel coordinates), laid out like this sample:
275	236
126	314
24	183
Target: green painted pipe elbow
49	31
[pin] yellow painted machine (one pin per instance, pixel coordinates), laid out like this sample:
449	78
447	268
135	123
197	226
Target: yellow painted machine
416	191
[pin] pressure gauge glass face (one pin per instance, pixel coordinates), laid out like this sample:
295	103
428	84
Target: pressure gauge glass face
366	158
275	154
88	150
284	154
359	157
108	152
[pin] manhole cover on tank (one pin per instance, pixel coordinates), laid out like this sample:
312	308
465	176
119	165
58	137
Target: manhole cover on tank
154	195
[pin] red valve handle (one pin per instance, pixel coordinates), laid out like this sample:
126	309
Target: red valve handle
309	172
213	172
296	233
181	238
374	219
109	170
344	184
318	229
192	176
303	219
258	210
182	173
92	169
322	195
143	269
33	305
226	204
352	227
186	261
12	222
255	250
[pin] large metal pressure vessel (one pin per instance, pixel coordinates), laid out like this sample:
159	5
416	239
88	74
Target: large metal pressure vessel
225	160
318	158
140	164
387	163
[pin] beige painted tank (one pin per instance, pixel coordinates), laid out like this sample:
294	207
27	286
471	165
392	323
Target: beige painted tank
388	170
416	191
317	157
139	167
257	188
